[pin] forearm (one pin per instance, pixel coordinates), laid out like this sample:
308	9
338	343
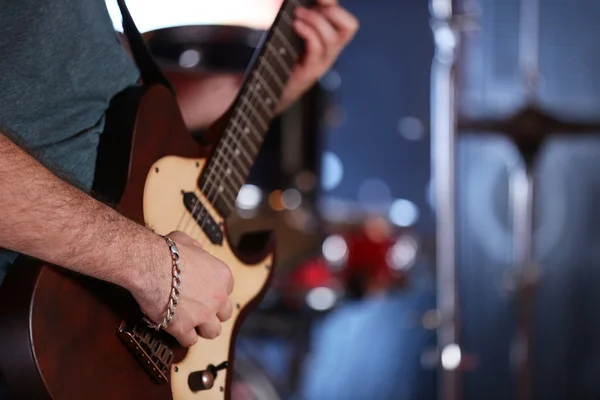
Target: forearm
47	218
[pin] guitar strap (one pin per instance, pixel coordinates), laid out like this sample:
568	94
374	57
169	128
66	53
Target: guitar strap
149	70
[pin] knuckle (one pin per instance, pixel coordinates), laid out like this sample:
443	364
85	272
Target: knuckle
226	274
220	297
217	331
193	339
201	318
354	23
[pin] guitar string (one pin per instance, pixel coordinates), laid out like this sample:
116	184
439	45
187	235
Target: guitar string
210	180
226	143
217	166
225	165
221	164
234	145
229	142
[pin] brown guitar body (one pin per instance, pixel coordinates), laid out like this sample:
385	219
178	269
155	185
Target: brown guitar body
59	336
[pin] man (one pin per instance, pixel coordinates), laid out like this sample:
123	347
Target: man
61	65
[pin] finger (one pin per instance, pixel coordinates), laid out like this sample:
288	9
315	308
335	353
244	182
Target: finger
325	30
210	330
315	49
343	21
225	312
188	338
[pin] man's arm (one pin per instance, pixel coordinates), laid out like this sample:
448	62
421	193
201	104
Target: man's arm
47	218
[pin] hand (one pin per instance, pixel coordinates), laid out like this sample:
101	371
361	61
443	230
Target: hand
206	283
326	30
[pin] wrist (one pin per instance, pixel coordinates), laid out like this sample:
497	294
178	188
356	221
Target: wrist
151	276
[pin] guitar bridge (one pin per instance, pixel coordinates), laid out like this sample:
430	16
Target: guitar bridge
154	355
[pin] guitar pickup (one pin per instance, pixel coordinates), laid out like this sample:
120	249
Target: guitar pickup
203	218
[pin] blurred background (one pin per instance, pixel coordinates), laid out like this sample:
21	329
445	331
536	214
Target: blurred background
433	198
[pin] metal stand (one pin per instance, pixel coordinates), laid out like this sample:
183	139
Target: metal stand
529	129
522	185
443	168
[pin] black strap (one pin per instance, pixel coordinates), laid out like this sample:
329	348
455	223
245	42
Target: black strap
149	70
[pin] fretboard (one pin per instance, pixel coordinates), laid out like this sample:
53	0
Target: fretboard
252	111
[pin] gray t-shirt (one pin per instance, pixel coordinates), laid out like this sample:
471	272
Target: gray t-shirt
61	65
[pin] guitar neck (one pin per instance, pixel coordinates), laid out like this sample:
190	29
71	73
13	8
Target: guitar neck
252	111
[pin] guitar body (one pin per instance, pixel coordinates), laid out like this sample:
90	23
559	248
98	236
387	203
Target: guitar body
65	336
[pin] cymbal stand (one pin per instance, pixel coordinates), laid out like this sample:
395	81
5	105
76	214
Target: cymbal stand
529	130
446	27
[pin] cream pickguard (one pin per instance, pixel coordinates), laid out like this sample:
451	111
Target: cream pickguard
165	212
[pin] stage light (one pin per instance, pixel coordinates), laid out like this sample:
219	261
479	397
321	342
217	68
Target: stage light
451	357
333	171
291	198
411	128
403	213
335	250
321	298
403	254
249	197
276	200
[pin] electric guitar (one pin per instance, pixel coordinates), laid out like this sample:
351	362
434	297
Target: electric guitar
65	336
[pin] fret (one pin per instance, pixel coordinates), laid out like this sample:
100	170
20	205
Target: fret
236	151
277	48
256	113
267	100
241	143
221	164
284	13
272	73
286	43
249	124
232	153
229	172
247	121
221	189
245	131
266	103
264	84
280	60
225	171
